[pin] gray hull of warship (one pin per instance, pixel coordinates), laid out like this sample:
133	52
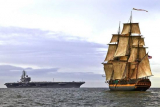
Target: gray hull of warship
25	83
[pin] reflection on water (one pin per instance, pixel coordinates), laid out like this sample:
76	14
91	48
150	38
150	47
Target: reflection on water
83	97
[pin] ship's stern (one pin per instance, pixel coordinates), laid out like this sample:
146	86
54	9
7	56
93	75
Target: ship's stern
142	85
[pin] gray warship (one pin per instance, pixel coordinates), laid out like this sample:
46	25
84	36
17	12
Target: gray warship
25	82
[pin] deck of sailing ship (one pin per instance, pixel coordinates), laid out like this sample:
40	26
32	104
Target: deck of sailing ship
126	64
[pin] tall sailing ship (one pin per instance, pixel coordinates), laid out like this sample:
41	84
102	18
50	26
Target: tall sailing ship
126	64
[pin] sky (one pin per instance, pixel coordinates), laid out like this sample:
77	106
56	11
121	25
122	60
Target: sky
67	39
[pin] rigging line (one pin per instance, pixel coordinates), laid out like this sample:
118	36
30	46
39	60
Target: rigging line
143	58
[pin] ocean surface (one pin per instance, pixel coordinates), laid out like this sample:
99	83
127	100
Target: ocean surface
82	97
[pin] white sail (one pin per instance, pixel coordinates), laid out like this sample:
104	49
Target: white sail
111	51
134	27
114	38
119	68
144	68
122	46
108	68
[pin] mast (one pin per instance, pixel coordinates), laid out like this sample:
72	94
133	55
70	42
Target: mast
138	59
129	45
118	39
118	32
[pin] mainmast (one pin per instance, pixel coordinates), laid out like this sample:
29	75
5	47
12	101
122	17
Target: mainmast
138	59
130	32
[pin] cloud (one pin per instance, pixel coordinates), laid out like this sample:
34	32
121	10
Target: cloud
48	49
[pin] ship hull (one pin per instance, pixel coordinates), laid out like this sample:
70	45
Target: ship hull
45	85
131	85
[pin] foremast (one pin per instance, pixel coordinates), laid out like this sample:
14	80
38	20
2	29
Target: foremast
126	57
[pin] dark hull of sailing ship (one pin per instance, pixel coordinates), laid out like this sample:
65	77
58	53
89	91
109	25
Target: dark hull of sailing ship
126	64
25	83
130	85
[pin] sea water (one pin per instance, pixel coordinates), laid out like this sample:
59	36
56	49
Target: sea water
78	97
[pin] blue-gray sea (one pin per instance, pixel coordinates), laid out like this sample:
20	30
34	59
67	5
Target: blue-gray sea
78	97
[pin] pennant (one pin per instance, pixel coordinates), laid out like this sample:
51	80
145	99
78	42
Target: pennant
140	9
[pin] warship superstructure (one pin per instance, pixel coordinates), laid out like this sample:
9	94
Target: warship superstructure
126	64
25	82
